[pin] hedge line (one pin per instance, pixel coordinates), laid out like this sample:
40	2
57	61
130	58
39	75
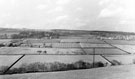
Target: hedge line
50	67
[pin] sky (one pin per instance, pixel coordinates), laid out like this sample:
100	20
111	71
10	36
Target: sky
109	15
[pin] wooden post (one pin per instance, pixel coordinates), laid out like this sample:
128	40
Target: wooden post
93	57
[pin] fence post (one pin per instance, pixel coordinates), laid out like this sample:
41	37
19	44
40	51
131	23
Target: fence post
93	57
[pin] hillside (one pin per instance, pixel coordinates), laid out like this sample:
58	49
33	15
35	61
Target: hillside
57	33
115	72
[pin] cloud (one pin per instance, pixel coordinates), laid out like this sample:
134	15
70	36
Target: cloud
108	12
121	13
79	9
63	17
102	2
111	8
56	9
62	2
68	14
122	8
41	6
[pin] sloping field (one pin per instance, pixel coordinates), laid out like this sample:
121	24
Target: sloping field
77	37
105	51
25	50
8	60
120	42
128	48
114	72
87	45
66	45
123	59
42	40
92	41
112	51
77	51
95	41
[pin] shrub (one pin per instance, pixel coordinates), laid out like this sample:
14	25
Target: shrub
115	62
99	64
49	67
81	65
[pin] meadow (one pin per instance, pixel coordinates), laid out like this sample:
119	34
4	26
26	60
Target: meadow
65	49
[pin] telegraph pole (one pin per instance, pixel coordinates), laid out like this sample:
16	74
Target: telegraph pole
94	57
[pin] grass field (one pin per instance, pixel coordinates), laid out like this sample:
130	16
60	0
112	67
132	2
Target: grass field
28	50
128	48
123	59
7	60
74	50
120	42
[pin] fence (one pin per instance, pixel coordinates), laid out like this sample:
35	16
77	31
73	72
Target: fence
93	54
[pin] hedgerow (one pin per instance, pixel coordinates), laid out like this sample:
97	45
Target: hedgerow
50	67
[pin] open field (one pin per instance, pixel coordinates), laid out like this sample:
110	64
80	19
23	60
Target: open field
121	42
28	50
96	41
67	49
78	37
70	47
68	40
115	72
62	59
62	50
123	59
128	48
8	60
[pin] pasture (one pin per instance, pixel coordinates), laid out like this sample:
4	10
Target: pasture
67	51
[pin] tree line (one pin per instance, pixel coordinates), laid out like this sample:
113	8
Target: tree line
34	34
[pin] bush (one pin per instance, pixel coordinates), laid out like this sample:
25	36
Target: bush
99	64
115	62
82	65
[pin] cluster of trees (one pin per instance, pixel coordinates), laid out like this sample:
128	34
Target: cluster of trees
50	67
12	43
34	34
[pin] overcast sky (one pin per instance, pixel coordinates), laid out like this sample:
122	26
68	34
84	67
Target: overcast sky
115	15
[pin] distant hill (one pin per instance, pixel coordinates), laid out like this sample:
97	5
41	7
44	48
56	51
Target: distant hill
65	32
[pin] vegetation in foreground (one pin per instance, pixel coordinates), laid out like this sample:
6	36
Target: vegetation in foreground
55	66
50	67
